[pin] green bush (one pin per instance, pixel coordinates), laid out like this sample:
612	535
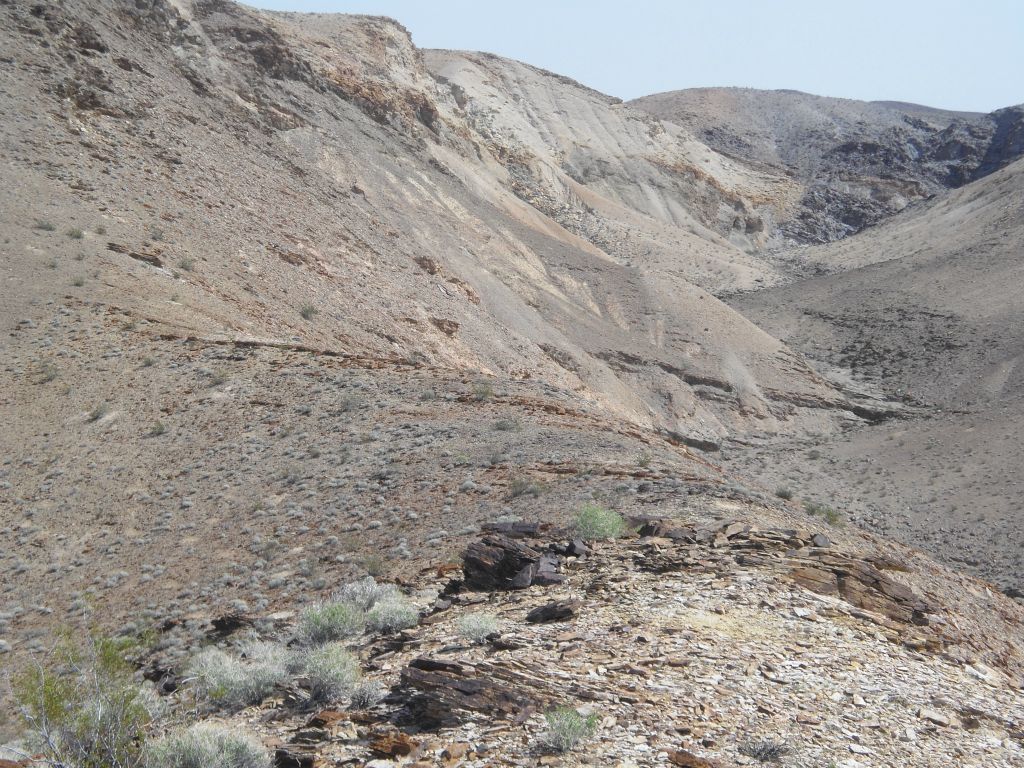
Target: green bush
567	728
332	673
207	746
784	493
596	522
86	711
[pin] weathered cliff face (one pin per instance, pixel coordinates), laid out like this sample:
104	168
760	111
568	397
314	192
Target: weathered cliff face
857	162
459	210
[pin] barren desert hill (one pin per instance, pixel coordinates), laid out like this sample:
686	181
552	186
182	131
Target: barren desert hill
858	162
926	306
288	302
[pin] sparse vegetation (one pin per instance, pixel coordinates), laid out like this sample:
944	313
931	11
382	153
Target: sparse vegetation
643	460
784	493
767	751
477	627
567	728
231	683
392	616
187	264
367	694
308	311
78	282
98	412
75	233
508	425
831	516
157	429
101	230
205	745
84	709
332	673
596	522
482	390
331	621
44	226
148	362
522	486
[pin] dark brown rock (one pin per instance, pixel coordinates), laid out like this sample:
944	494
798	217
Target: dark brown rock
556	610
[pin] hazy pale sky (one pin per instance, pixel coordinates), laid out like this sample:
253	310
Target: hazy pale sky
953	54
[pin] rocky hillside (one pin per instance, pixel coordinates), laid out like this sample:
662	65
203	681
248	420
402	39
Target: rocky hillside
857	162
289	302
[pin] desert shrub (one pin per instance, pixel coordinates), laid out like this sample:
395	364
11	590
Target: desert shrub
392	615
476	627
98	412
205	745
367	693
784	493
85	709
231	682
567	728
330	621
308	311
366	593
596	522
75	233
332	673
831	516
523	486
482	390
768	751
45	226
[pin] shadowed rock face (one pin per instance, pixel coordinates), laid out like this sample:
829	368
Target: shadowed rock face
858	162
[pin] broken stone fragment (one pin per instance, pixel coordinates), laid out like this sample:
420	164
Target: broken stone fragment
556	610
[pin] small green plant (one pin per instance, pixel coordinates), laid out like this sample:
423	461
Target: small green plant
477	627
205	745
508	425
75	233
218	377
47	373
78	282
332	673
43	225
98	412
567	728
157	429
82	707
767	751
187	264
156	235
643	460
101	230
148	362
784	493
831	516
308	311
595	522
328	622
51	264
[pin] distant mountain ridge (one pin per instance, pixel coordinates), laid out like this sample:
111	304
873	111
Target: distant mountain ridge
859	162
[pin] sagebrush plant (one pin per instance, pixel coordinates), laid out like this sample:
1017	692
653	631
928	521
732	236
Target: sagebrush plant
332	673
82	707
596	522
567	728
392	615
232	682
366	593
330	621
205	746
477	627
